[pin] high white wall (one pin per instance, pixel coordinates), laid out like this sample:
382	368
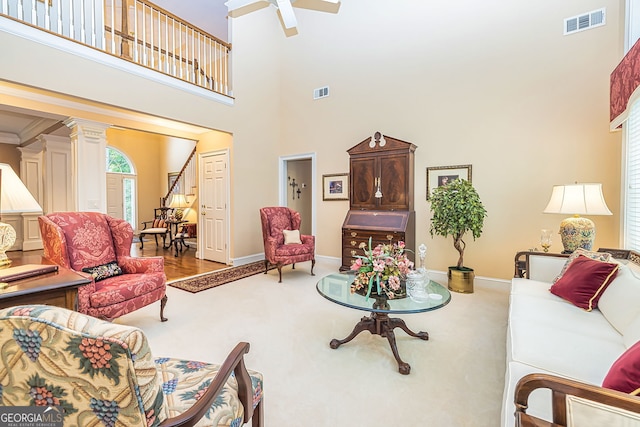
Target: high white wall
494	84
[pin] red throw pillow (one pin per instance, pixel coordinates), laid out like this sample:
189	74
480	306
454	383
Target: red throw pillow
624	374
584	282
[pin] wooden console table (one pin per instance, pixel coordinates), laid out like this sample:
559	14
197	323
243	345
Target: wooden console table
59	289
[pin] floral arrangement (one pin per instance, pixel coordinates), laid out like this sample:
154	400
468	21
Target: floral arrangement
384	266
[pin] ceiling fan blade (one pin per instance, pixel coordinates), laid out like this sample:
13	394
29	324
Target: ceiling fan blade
286	13
242	7
235	4
330	6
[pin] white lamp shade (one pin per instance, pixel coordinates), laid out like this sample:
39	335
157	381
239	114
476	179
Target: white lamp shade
577	199
14	196
178	201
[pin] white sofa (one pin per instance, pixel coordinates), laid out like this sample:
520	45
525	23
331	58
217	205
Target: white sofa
549	335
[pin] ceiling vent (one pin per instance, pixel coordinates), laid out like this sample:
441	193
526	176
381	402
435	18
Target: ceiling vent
321	92
585	21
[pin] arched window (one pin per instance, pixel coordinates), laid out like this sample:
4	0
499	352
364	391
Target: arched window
121	187
117	162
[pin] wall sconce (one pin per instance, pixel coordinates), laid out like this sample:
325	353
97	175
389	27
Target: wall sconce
294	185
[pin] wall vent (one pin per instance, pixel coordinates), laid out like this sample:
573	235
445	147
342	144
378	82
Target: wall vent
585	21
321	92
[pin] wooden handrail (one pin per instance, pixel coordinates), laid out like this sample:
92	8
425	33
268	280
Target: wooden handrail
164	199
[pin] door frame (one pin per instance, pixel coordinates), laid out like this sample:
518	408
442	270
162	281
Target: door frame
201	156
283	184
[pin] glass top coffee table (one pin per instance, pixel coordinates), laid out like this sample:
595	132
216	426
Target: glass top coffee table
337	288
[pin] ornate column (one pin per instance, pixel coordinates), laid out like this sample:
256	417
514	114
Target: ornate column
88	151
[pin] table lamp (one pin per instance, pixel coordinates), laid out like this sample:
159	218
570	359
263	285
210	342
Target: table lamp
14	198
178	202
577	199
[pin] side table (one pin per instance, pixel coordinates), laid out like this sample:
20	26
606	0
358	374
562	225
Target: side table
58	288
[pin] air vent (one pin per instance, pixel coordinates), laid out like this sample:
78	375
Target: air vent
585	21
321	92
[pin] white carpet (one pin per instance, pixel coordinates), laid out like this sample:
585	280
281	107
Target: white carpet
456	377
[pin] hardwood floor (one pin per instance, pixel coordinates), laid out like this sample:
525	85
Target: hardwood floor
184	265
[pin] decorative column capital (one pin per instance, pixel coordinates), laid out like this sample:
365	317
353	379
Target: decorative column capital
88	129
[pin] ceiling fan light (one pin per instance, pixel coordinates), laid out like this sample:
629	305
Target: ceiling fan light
286	12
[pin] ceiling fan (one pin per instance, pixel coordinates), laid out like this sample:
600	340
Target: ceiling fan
285	8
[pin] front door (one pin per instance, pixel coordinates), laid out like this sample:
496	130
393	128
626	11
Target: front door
213	208
114	195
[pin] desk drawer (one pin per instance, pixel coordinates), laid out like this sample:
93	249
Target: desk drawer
352	239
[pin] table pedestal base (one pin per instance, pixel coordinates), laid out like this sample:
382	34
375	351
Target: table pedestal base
383	325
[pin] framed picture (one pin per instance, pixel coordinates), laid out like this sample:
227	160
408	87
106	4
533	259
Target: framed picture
172	178
441	175
335	186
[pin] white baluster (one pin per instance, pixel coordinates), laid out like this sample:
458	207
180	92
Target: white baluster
83	30
72	30
180	47
215	67
113	26
103	19
135	32
223	69
210	61
60	29
166	44
145	55
151	37
47	15
34	15
173	47
191	53
93	24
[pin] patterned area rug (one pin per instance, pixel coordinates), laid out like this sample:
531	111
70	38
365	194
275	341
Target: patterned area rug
219	277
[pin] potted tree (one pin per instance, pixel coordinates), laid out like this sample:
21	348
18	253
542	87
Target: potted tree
456	209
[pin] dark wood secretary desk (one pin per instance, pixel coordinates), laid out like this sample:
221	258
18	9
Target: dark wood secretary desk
381	170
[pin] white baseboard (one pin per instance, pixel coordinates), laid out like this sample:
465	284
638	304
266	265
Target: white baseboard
435	275
441	277
260	257
329	260
247	259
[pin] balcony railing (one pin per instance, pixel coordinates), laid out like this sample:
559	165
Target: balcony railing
137	31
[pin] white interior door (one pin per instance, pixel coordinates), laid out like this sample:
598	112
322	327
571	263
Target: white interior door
214	206
115	205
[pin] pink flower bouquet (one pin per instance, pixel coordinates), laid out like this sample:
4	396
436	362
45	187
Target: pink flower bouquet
384	266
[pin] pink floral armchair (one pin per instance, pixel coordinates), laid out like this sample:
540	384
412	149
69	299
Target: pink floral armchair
276	221
99	247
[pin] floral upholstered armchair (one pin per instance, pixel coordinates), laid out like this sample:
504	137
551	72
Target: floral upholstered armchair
283	243
93	372
99	246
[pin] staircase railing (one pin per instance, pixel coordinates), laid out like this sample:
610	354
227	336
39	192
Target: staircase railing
186	180
134	30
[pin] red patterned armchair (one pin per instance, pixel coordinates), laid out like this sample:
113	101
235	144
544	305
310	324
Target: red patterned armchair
283	243
99	246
